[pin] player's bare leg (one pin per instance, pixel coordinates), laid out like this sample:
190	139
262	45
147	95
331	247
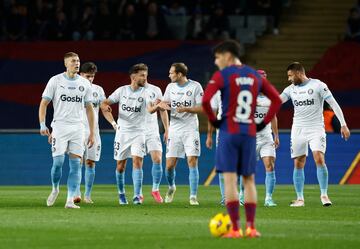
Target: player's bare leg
232	204
74	179
322	176
270	180
137	176
250	206
120	181
89	180
170	175
193	179
156	175
299	180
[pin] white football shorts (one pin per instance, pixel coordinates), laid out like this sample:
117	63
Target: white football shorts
179	145
127	145
301	138
67	138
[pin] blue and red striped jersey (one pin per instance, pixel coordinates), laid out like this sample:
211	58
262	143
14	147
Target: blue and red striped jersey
239	86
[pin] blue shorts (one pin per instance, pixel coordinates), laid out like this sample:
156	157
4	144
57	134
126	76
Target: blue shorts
236	153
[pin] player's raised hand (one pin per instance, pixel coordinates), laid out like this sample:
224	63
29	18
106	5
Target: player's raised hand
91	140
44	131
209	142
345	133
276	142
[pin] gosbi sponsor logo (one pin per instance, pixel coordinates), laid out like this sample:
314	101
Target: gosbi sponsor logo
130	108
66	98
183	104
304	102
259	115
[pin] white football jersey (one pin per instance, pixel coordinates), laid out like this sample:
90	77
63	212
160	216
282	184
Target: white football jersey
132	108
216	105
308	99
69	97
262	107
98	96
151	120
188	95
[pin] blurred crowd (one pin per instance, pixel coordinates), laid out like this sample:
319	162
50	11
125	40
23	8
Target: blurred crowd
353	24
31	20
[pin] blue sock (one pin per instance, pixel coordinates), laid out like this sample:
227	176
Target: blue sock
299	179
270	181
137	176
323	177
78	192
221	185
89	179
74	177
120	181
241	186
194	180
56	171
156	172
170	176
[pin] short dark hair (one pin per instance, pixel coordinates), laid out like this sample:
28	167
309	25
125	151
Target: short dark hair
88	67
296	66
231	46
138	67
180	67
70	54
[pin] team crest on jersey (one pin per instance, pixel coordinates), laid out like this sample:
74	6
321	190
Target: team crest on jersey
95	94
81	88
310	91
141	99
189	93
152	95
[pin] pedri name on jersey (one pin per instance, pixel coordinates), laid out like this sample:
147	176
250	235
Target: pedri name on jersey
66	98
304	102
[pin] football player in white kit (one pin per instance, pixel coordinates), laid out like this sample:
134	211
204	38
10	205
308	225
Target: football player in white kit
129	142
267	140
70	94
92	154
308	97
153	143
183	98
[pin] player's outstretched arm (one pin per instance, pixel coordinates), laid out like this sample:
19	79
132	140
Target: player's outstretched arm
345	133
44	131
275	131
106	111
91	119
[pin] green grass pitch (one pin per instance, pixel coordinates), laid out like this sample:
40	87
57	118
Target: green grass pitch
25	221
